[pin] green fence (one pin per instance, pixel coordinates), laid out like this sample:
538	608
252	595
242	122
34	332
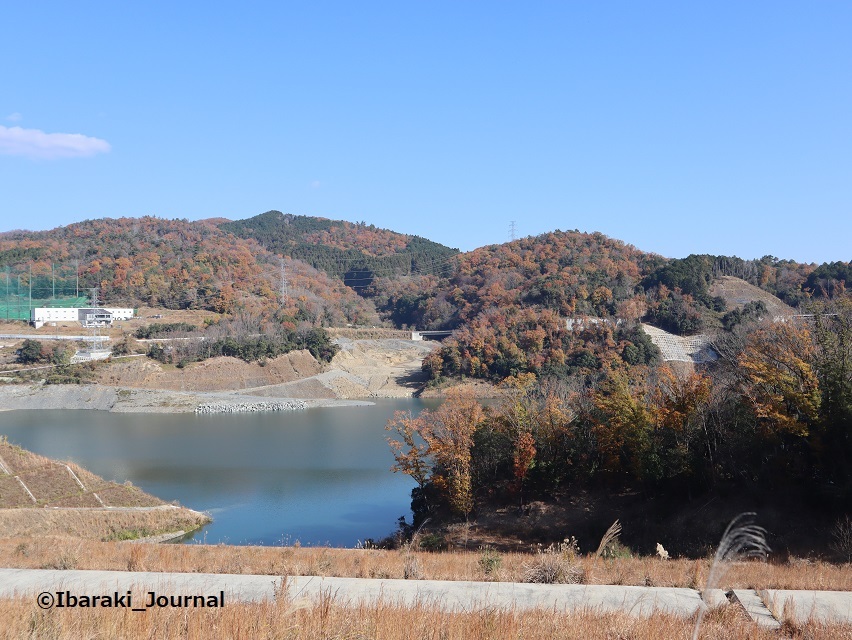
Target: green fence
22	290
17	307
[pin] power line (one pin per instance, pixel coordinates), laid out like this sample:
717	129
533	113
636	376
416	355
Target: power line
439	268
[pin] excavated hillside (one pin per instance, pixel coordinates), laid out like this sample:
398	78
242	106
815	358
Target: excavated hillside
384	368
216	374
738	293
381	368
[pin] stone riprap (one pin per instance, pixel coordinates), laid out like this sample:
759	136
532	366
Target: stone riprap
249	407
696	349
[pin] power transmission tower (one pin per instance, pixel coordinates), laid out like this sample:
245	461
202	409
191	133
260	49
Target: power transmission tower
284	291
512	230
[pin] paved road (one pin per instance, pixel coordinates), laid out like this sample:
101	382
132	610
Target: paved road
51	336
833	606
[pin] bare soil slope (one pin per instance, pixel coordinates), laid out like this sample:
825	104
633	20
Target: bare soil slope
385	368
364	368
216	374
375	368
390	368
737	293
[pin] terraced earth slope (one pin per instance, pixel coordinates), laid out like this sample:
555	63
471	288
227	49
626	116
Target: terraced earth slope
40	496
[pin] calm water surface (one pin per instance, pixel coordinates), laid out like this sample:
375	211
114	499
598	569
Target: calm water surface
320	476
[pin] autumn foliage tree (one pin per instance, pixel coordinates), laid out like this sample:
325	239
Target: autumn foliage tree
523	459
778	379
648	427
678	404
622	423
518	417
447	437
410	452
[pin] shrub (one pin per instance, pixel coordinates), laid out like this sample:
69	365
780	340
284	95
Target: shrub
555	565
158	330
489	560
432	542
30	352
616	549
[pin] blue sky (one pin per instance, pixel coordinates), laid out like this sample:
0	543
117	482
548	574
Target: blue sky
678	127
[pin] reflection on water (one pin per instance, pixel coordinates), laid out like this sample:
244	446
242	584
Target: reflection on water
319	476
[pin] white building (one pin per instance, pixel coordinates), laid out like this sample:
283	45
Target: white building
88	317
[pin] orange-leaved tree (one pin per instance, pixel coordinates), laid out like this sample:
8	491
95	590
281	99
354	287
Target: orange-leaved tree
517	418
411	452
447	438
678	404
449	433
523	458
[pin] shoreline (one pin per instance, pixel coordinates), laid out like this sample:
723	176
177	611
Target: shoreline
120	399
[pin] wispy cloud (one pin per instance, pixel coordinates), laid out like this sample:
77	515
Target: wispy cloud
316	184
34	143
14	117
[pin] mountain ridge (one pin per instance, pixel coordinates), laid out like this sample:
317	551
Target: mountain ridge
324	272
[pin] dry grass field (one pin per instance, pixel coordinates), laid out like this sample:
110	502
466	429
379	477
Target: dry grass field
49	552
330	618
334	617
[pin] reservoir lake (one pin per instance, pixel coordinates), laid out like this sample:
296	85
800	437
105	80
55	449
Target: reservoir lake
320	476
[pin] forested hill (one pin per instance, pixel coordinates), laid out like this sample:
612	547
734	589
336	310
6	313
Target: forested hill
509	301
174	264
589	274
568	273
354	252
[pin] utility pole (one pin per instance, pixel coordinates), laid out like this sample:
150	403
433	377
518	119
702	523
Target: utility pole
512	230
53	278
31	289
95	337
77	273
